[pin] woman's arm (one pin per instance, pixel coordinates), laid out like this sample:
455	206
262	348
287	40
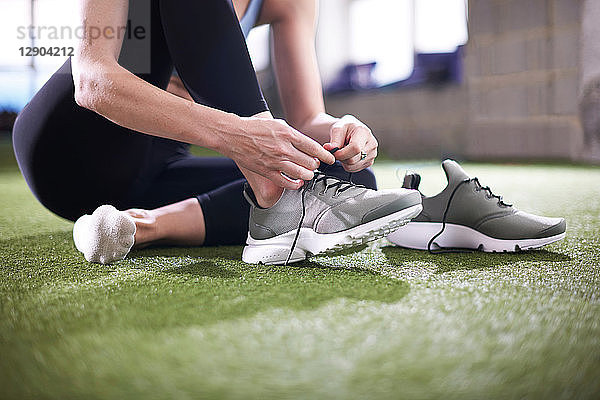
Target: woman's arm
294	23
264	146
105	87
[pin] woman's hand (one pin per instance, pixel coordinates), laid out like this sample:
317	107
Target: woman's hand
274	150
356	143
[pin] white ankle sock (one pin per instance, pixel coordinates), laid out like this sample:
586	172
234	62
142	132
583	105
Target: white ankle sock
105	236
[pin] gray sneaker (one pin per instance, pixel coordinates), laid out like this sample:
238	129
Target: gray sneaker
468	215
325	216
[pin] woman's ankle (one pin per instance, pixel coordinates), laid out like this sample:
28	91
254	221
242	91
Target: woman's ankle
179	224
267	194
146	227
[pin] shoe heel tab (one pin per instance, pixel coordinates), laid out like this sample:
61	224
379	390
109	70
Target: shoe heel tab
411	181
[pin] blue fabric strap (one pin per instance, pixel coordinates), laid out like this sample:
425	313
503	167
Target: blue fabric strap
251	16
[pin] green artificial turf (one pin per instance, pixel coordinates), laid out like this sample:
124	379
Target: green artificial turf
380	323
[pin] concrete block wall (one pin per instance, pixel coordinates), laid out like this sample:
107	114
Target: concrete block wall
519	99
522	73
410	123
589	104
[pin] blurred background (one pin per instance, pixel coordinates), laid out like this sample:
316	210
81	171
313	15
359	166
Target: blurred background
476	79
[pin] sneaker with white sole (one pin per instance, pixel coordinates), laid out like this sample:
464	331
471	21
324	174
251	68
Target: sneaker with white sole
326	216
467	215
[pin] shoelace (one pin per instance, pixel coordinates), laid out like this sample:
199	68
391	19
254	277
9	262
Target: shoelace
488	193
339	185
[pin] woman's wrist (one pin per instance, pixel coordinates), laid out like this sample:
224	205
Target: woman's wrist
215	126
319	127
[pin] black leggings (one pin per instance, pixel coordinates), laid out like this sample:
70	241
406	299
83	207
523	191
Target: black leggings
75	160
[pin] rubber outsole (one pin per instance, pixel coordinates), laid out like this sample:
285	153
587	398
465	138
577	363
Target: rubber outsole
275	251
416	235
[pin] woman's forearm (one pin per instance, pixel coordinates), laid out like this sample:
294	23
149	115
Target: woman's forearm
265	146
319	127
129	101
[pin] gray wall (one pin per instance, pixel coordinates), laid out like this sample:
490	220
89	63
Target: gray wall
523	79
590	80
411	123
519	100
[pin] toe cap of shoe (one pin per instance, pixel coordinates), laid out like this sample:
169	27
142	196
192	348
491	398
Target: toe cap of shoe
559	227
522	225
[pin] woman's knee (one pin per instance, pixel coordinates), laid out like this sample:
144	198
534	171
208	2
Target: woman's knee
366	177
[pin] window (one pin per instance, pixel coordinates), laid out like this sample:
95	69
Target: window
14	13
53	23
440	25
381	31
258	47
28	23
56	20
390	32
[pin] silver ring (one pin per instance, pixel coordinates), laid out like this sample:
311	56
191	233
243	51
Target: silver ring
363	155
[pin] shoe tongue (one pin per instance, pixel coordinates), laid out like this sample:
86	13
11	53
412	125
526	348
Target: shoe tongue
454	172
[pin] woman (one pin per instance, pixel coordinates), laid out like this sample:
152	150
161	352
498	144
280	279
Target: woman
97	133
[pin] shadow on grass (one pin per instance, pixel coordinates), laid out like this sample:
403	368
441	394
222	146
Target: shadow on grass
204	269
472	260
233	253
44	281
234	267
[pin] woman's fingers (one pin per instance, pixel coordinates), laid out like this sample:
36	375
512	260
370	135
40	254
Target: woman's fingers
367	152
338	133
352	137
284	181
294	171
278	152
359	166
311	147
357	161
302	159
350	151
290	175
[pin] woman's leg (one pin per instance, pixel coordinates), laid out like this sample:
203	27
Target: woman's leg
180	224
198	195
209	51
74	159
219	216
220	73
